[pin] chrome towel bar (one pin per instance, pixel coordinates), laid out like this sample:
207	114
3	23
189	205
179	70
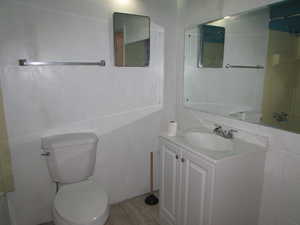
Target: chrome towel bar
228	66
24	62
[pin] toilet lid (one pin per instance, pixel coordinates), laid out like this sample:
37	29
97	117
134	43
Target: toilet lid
81	203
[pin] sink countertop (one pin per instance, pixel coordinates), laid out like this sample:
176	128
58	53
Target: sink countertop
239	147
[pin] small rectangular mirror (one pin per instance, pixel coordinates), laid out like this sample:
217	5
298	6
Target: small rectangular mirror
131	40
211	50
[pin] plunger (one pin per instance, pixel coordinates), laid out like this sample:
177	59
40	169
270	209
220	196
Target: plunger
151	199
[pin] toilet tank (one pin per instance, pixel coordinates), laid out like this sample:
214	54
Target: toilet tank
71	157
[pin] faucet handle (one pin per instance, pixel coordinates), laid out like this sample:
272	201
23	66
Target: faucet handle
217	126
230	133
233	131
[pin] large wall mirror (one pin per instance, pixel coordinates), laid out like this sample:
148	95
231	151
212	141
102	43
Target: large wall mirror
250	67
131	40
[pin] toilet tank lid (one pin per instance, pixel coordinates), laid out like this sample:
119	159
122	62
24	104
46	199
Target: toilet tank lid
70	139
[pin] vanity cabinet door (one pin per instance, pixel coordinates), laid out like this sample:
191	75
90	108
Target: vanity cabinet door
196	190
170	168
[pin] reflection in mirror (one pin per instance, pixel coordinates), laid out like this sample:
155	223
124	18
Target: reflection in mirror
268	94
131	40
211	50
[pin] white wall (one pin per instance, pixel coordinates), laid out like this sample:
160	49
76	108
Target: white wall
280	200
126	107
246	42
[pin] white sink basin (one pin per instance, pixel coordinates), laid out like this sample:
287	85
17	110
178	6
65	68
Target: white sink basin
208	141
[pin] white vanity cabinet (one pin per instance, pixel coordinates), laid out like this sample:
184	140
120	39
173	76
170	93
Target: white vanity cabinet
186	183
196	186
170	174
198	191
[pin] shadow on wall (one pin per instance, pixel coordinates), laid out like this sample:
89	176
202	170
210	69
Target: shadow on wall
123	158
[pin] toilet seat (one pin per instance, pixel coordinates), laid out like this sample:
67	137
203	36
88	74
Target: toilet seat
83	203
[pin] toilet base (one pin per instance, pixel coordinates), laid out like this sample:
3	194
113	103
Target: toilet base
58	220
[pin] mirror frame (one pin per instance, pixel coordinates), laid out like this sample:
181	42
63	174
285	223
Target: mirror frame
114	40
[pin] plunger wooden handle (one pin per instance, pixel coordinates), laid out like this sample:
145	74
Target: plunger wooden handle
151	171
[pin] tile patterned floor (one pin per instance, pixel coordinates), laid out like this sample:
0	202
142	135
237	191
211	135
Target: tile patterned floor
131	212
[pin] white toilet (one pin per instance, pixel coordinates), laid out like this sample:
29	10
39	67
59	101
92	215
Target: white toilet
71	160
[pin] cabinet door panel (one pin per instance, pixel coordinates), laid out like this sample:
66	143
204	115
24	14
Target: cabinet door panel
169	182
197	178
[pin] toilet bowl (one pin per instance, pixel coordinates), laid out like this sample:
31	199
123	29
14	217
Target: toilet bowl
83	203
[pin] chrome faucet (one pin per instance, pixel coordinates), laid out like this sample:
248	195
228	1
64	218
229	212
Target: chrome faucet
228	134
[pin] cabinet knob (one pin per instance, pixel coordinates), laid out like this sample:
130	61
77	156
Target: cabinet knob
182	160
177	157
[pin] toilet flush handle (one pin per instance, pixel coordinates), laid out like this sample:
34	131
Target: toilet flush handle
45	154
